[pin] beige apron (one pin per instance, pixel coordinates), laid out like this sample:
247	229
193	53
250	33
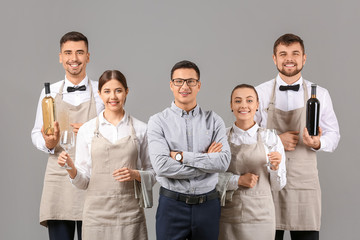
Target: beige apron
298	204
250	214
110	209
60	199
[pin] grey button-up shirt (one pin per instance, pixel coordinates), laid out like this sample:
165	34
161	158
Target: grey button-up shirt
175	130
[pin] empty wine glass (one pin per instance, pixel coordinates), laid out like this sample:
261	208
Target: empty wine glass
67	141
270	139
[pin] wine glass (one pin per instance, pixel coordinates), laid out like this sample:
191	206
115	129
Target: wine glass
270	139
67	141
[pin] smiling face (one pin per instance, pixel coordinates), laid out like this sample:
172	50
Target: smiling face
185	96
244	104
289	61
74	56
113	94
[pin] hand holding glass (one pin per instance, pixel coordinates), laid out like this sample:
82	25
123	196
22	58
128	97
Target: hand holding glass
67	141
270	140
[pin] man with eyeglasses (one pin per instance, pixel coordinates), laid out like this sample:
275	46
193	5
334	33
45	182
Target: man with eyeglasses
188	148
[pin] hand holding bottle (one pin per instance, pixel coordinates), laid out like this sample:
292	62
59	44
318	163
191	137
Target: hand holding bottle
51	140
312	141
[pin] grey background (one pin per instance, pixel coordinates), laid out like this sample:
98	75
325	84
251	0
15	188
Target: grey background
230	40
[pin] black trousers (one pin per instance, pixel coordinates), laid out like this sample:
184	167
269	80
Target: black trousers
298	235
64	230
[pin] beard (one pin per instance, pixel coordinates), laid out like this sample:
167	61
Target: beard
289	74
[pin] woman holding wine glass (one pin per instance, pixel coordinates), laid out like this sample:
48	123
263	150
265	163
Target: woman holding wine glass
257	167
112	163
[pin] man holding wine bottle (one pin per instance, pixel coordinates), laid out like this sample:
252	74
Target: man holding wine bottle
282	107
76	101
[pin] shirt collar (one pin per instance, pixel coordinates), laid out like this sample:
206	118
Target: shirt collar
103	121
281	82
182	112
250	132
85	82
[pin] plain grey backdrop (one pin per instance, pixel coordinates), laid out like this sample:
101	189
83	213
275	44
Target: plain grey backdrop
231	41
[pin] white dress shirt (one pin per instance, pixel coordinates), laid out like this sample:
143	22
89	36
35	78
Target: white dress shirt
74	98
112	133
277	177
290	100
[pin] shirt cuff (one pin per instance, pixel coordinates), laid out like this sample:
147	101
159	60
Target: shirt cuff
233	183
322	144
76	179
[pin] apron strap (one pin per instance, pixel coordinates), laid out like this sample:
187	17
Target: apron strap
258	132
92	99
230	133
133	133
61	88
272	99
306	96
96	131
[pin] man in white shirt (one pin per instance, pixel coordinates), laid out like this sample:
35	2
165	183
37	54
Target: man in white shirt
283	107
76	101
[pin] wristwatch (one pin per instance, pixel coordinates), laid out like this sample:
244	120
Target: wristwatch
178	156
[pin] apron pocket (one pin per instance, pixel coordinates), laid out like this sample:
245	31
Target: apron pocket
112	210
302	174
101	210
257	209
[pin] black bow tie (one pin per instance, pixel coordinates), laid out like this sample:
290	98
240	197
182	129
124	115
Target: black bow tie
290	87
78	88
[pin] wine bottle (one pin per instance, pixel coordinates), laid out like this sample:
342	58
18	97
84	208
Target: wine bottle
312	113
48	111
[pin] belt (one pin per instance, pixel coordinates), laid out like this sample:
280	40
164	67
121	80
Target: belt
189	199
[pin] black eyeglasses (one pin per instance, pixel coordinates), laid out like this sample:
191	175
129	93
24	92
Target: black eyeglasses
191	82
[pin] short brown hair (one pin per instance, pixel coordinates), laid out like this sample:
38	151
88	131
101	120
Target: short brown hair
112	74
75	37
288	39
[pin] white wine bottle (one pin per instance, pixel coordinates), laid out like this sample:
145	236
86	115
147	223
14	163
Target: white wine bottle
48	111
312	113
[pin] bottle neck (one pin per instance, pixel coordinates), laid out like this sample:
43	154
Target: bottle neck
47	89
313	91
